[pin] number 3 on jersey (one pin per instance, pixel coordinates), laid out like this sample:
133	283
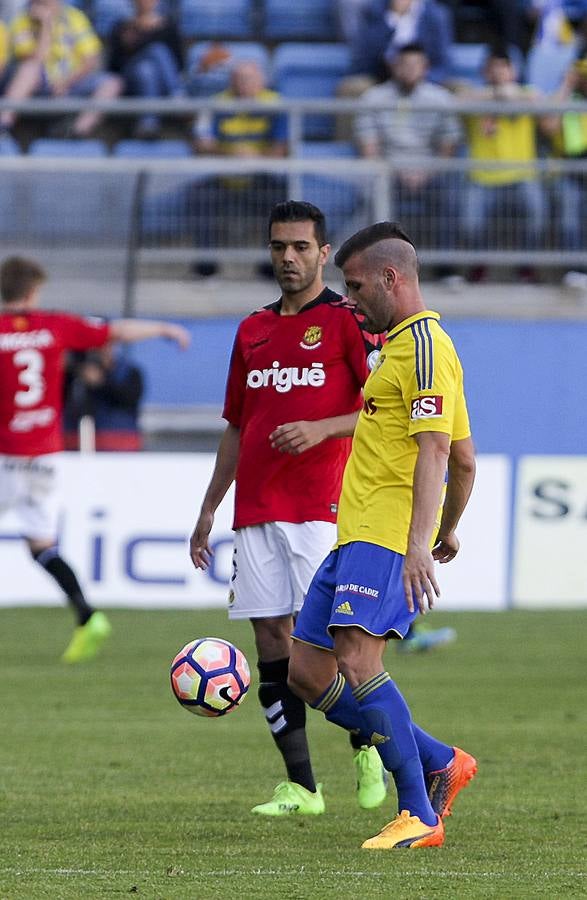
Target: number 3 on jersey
31	363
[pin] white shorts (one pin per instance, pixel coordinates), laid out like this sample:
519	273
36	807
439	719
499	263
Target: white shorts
29	488
273	565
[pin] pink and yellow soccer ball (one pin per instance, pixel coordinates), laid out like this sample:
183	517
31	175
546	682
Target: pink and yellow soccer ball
210	677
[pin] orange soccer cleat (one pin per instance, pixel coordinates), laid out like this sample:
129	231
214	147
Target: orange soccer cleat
444	785
407	831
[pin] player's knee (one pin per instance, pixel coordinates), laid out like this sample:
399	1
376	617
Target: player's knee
350	664
40	550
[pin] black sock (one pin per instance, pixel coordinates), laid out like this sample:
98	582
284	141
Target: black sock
286	717
65	577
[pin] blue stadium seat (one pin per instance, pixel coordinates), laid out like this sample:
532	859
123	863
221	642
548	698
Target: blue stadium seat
546	66
327	150
164	149
466	62
90	149
203	84
305	70
286	20
215	18
8	146
106	13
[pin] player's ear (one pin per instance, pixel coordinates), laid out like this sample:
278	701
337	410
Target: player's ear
389	276
324	253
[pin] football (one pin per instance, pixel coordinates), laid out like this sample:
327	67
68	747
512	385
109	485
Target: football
210	677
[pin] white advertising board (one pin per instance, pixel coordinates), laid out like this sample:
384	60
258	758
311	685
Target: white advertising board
126	520
551	532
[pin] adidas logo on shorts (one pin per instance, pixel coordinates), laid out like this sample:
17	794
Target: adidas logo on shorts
345	608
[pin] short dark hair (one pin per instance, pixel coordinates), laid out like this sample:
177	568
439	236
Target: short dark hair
300	211
412	47
18	276
366	237
498	51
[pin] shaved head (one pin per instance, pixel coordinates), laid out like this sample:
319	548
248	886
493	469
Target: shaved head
380	269
389	235
393	252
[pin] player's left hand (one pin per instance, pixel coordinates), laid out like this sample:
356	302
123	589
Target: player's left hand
446	547
419	580
296	437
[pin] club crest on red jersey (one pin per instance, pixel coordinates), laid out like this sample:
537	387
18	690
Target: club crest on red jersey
312	337
20	323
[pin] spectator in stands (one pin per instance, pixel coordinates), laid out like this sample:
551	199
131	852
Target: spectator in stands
423	200
146	51
503	138
388	25
568	133
56	53
104	385
238	202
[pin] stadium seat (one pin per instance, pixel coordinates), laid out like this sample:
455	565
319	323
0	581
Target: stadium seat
164	149
203	84
338	199
106	13
327	150
215	18
306	71
466	62
286	20
90	149
546	66
8	146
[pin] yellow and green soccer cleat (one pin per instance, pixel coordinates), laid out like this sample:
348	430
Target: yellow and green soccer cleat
371	778
87	639
291	799
407	831
444	785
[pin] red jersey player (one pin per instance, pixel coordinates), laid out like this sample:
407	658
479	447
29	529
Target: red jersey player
293	393
32	348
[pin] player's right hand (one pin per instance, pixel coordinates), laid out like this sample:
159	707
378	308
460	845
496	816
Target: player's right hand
200	551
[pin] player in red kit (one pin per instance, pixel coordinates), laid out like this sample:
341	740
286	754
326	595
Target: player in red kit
293	394
32	348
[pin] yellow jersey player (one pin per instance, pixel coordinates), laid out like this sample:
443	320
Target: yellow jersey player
392	526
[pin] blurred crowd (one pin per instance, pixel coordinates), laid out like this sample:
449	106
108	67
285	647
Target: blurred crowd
399	50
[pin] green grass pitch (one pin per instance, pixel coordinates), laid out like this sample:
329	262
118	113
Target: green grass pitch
108	788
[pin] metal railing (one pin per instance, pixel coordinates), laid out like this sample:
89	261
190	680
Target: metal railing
213	208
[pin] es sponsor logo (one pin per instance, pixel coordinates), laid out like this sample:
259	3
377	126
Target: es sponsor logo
429	407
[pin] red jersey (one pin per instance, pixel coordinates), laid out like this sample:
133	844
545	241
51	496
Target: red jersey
308	366
32	346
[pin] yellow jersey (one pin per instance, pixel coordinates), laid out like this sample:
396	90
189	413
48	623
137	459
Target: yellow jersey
416	386
73	42
502	139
